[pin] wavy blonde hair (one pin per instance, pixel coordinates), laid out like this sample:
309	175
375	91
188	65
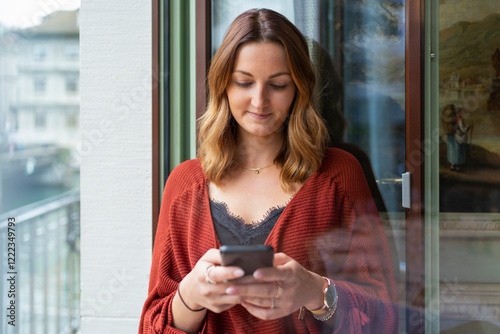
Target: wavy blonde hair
305	134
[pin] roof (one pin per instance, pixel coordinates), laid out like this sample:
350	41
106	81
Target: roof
57	23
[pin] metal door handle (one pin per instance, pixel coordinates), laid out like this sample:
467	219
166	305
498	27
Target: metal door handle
406	191
389	180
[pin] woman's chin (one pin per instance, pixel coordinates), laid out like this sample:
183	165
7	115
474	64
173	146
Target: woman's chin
262	133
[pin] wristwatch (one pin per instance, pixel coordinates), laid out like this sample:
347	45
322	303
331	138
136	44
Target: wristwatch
330	302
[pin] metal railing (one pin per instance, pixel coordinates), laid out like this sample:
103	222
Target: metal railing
47	266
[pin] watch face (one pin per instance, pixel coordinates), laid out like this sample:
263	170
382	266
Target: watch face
330	295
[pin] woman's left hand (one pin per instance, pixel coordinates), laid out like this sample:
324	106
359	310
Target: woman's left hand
280	290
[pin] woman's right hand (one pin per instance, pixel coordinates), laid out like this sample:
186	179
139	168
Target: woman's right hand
199	291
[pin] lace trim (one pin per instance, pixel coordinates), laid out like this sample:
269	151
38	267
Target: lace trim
257	223
244	233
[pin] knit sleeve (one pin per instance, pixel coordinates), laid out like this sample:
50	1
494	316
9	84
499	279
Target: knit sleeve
358	260
165	272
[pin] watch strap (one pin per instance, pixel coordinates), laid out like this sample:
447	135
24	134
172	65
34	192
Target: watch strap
325	312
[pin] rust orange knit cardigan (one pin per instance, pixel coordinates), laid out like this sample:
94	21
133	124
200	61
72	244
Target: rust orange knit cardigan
330	227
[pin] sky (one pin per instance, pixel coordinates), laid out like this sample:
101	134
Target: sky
26	13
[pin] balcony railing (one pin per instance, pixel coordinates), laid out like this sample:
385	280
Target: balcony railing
47	266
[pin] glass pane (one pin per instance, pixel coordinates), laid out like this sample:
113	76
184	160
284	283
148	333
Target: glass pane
469	173
39	166
225	11
358	48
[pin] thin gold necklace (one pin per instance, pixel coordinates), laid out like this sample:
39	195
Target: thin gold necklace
256	170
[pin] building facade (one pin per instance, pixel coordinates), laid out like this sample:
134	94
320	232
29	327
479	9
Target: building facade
46	110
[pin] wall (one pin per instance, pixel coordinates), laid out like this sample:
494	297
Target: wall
115	41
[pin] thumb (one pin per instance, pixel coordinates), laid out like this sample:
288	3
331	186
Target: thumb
213	256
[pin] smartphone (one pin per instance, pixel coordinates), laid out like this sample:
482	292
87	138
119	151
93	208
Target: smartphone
247	257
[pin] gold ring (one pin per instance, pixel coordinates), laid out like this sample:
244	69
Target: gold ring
280	291
207	271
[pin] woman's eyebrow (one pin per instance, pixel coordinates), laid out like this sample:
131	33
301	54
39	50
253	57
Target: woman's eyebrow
272	76
278	74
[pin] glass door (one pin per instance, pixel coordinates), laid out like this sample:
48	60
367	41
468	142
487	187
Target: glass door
358	49
467	108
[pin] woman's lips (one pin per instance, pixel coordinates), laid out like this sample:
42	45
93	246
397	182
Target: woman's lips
259	116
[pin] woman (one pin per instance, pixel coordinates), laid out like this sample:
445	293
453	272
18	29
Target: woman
456	137
264	176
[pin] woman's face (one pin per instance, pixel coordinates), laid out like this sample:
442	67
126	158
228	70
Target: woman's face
261	89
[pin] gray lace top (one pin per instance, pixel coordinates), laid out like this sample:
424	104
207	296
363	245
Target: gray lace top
232	229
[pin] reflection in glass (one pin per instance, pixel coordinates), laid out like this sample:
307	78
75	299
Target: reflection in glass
225	11
469	166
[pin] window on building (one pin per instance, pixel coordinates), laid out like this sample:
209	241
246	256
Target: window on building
11	123
72	121
72	51
71	84
40	52
40	84
40	120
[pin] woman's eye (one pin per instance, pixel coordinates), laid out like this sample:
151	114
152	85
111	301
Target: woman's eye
278	86
242	84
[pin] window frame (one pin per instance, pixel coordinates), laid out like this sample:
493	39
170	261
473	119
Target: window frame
40	52
40	84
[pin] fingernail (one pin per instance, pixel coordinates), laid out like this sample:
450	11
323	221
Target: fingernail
231	290
239	273
257	274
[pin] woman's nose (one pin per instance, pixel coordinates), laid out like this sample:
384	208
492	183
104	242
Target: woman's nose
259	97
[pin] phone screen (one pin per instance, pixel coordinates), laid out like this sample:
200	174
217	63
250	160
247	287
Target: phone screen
247	257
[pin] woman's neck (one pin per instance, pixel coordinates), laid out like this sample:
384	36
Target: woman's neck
255	152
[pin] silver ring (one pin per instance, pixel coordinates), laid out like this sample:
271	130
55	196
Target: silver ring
272	302
207	271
